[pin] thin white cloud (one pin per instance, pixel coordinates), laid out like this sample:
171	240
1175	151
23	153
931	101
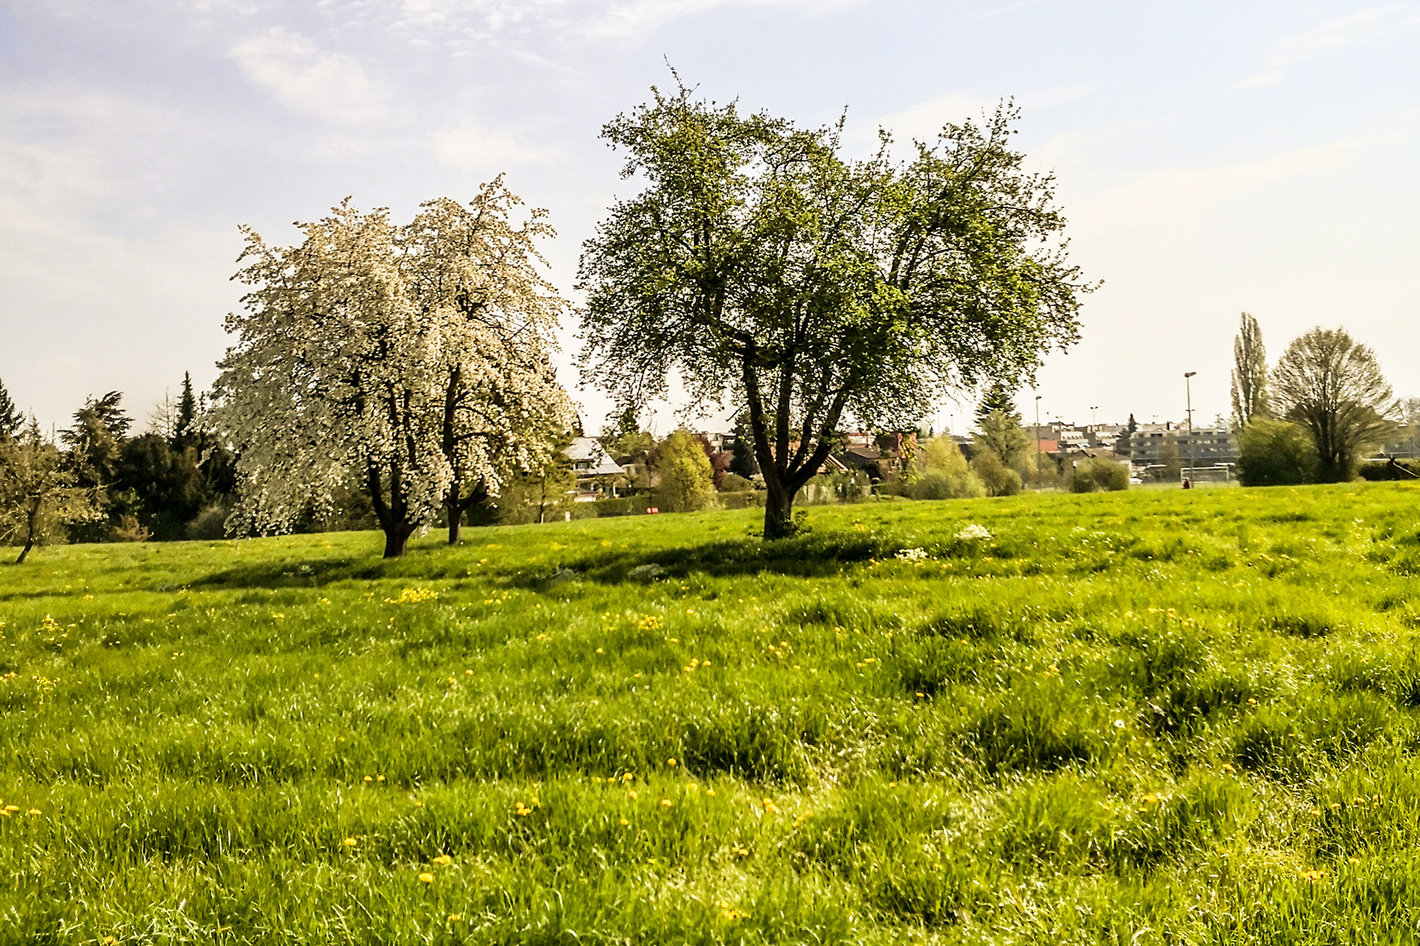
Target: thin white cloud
638	18
330	86
1344	32
485	152
1174	200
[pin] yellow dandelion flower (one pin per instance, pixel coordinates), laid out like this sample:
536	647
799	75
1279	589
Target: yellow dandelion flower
350	842
34	812
426	878
665	803
671	763
443	860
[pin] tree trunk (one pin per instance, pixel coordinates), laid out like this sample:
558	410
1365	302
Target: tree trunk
455	524
778	511
397	540
29	544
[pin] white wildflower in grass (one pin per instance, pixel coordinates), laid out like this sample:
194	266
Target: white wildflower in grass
973	531
915	556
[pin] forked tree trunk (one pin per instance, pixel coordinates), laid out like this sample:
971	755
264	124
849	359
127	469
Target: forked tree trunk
778	512
397	539
457	505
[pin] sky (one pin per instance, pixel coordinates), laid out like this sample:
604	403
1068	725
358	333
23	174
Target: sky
1212	158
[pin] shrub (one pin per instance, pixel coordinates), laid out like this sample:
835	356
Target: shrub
621	506
1391	469
210	523
851	487
998	478
1275	453
1096	474
734	483
942	473
685	475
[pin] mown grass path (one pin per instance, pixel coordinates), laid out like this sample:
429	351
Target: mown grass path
1154	717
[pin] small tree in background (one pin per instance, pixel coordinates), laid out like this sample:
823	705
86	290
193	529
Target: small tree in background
1169	458
998	478
1098	474
1249	379
1275	453
1003	435
940	471
685	474
38	494
1124	444
1332	386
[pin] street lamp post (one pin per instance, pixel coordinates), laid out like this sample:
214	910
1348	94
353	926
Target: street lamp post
1093	408
1188	397
1037	440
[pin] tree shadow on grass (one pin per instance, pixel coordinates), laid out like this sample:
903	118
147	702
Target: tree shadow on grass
306	573
809	555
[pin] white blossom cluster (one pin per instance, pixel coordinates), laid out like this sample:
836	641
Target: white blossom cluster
406	360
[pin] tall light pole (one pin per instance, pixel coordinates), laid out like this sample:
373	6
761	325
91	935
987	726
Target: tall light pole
1037	440
1093	408
1188	397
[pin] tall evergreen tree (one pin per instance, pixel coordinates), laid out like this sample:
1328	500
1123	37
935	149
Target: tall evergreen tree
10	418
1249	386
95	445
996	398
186	415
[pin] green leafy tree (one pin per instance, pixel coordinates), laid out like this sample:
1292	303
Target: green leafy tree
1275	453
685	478
39	493
1332	386
771	271
1249	385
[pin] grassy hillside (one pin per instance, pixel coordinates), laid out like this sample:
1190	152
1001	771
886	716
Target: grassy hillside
1156	717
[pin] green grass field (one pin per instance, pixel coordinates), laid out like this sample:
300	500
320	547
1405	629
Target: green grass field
1153	717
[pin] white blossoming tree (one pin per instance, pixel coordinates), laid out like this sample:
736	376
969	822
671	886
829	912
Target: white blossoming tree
412	357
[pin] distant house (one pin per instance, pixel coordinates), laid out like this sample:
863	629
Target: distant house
596	472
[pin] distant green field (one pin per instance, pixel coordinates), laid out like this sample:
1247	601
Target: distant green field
1151	717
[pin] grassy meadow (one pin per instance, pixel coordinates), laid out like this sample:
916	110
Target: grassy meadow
1148	717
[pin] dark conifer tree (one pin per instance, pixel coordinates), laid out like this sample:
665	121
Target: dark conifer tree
10	418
